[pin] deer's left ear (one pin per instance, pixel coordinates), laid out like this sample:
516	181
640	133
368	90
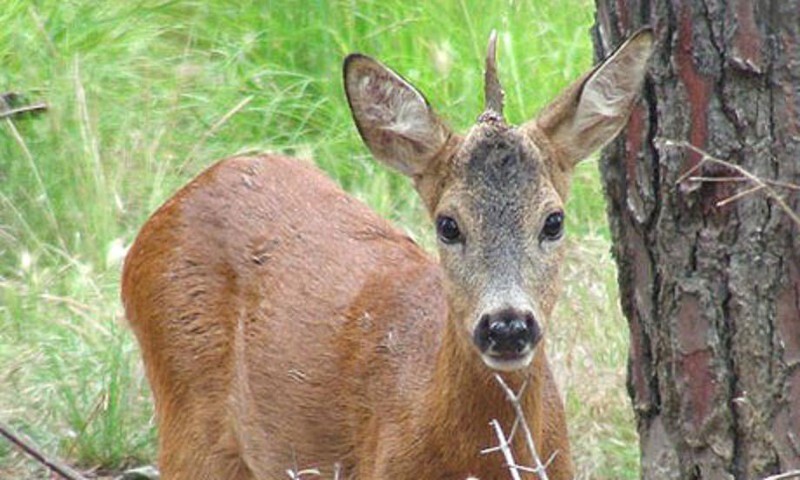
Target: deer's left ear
596	107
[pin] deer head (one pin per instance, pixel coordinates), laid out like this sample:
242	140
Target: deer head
496	194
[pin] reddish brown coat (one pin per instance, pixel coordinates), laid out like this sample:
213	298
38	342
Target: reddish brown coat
284	325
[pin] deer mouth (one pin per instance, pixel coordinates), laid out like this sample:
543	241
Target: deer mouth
508	361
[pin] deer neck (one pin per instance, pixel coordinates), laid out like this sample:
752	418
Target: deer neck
464	396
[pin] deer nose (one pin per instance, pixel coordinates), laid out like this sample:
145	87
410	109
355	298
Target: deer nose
507	333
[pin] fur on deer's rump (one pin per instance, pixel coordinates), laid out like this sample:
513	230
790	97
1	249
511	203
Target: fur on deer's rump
285	326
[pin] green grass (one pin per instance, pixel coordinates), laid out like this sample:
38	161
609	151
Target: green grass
143	95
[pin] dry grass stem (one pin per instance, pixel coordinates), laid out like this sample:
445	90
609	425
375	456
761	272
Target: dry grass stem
91	145
784	476
84	308
49	212
758	183
40	26
214	128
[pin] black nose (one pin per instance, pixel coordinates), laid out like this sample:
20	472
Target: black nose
506	332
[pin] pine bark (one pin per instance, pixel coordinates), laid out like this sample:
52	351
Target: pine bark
711	293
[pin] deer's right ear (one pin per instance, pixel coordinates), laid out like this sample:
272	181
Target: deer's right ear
392	116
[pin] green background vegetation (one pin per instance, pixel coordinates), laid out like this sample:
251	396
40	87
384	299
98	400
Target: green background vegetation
144	95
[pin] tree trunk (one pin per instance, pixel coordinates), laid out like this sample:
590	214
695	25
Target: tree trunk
711	292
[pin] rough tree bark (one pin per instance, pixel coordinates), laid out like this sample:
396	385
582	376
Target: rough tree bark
711	293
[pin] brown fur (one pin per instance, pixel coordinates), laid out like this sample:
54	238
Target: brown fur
284	325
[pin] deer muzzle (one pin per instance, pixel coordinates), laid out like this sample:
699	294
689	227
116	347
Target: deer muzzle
507	338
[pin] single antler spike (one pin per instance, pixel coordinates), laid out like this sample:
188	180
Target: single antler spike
493	92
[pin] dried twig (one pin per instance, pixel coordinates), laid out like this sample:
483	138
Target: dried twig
758	183
514	398
774	183
28	447
298	475
36	107
784	476
504	445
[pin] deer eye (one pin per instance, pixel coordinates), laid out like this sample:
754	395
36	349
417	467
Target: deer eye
447	229
553	226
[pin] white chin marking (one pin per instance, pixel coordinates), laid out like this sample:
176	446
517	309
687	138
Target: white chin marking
507	365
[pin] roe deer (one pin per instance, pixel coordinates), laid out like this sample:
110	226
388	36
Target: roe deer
284	325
